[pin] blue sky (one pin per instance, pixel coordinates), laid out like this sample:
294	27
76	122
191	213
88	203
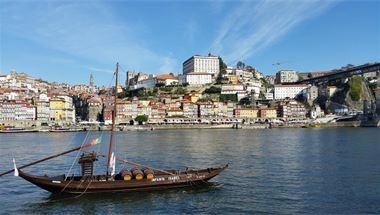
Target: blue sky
66	41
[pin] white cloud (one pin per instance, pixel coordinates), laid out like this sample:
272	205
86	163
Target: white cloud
87	31
253	26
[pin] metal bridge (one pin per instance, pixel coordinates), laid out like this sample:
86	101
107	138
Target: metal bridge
342	73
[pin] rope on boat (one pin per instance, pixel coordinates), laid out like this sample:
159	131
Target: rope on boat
84	190
63	189
76	157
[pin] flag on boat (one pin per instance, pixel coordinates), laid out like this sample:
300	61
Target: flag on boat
96	141
113	164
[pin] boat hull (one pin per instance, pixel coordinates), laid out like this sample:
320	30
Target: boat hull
98	184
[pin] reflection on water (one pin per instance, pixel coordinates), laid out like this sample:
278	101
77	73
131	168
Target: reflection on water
115	202
271	171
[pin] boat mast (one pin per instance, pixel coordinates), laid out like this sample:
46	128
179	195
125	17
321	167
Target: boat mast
113	120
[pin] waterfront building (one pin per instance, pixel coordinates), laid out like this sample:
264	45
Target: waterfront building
56	107
174	112
196	78
291	109
270	113
288	91
225	109
286	76
108	103
95	108
206	110
43	108
250	113
144	110
207	64
190	110
158	110
17	110
69	110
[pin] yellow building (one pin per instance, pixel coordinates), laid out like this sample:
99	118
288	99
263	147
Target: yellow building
57	106
234	79
193	97
246	113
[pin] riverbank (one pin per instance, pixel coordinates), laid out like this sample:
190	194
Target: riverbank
148	127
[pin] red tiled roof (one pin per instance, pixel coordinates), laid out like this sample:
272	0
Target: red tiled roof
165	77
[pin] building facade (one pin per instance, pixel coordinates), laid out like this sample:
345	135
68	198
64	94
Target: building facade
196	78
288	91
286	76
208	64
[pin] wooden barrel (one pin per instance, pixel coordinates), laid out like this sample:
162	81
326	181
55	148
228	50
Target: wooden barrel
149	174
137	173
126	174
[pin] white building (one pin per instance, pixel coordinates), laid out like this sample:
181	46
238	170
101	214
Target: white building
205	64
17	110
254	86
288	91
147	83
286	76
196	78
167	79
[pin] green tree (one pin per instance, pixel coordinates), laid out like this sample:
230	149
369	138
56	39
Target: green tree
213	90
141	118
240	65
228	97
160	85
222	71
245	101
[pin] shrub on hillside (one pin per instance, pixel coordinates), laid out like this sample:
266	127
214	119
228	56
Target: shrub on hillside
355	84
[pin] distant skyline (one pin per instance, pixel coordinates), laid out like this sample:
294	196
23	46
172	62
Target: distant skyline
66	41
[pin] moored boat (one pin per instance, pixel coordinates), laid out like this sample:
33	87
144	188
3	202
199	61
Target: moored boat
17	130
64	129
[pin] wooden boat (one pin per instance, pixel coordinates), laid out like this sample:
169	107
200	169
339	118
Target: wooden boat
17	130
65	129
102	183
141	177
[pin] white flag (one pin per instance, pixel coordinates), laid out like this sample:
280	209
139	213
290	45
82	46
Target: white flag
113	164
14	166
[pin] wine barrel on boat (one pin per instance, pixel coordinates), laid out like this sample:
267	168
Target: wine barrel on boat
137	173
126	174
149	173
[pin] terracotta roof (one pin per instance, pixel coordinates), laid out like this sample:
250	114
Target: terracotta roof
165	77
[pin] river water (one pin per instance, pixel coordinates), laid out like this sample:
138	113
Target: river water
276	171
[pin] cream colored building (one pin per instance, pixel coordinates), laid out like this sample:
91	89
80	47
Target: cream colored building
208	64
